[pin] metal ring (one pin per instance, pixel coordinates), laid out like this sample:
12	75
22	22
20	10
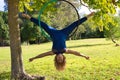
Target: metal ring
51	1
73	32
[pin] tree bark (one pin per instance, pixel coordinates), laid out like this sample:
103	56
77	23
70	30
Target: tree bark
17	69
116	44
15	43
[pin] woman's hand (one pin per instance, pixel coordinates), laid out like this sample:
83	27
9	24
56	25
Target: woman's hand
87	57
31	59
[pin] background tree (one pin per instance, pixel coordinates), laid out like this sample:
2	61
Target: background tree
105	9
91	31
17	69
114	31
3	30
16	59
65	14
29	32
102	17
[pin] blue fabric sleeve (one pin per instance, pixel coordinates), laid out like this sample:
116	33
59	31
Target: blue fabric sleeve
72	26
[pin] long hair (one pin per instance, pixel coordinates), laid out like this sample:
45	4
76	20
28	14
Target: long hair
60	65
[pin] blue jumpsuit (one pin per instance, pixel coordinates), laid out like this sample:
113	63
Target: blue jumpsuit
59	36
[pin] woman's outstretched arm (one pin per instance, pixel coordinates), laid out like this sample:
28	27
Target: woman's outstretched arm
76	53
41	55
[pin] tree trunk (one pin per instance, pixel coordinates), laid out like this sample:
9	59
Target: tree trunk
17	70
116	44
15	45
113	40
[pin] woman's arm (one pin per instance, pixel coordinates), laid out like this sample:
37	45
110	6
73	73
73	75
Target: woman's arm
41	55
76	53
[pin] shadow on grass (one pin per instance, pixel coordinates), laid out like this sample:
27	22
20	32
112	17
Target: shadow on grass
88	45
5	76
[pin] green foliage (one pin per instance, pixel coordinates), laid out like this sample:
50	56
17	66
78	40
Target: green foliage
77	35
104	63
4	34
91	31
29	32
64	15
105	9
61	15
118	3
34	5
114	31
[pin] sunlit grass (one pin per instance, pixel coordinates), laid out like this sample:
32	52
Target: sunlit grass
104	61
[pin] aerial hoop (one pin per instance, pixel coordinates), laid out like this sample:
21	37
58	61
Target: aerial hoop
73	32
51	1
39	18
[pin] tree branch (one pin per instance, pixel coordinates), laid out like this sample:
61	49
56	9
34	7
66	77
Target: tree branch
84	5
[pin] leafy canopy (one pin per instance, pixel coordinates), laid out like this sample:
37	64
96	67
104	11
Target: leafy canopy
105	9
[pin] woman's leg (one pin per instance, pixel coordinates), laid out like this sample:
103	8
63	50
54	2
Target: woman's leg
47	28
72	26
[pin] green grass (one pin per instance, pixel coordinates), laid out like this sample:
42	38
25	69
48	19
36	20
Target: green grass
103	65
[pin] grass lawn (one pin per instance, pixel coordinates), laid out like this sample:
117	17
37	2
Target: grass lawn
104	63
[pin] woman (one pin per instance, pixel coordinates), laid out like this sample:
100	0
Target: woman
59	38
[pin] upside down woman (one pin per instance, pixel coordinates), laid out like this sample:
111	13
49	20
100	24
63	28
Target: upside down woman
59	41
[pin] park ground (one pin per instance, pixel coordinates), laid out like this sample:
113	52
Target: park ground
104	63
